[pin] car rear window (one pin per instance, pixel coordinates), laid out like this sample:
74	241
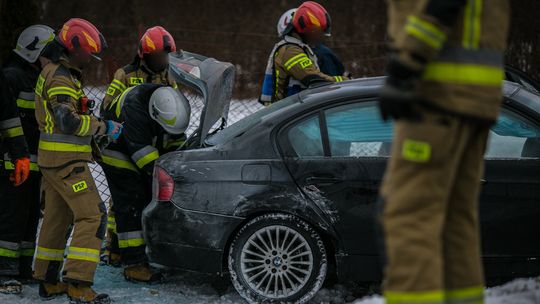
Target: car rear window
241	126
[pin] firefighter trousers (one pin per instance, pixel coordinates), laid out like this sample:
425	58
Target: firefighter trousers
131	192
430	211
19	217
71	197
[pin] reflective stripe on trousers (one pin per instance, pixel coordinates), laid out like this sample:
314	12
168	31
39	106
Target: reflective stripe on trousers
83	254
49	254
130	239
470	295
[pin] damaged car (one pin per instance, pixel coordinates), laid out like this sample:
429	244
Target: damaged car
285	196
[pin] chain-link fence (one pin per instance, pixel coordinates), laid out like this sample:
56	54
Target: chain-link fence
238	110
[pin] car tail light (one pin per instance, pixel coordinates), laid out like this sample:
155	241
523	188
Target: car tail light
163	185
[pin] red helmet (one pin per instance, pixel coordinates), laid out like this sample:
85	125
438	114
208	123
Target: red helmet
311	17
156	39
78	33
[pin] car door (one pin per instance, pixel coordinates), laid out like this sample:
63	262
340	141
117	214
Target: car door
327	152
510	198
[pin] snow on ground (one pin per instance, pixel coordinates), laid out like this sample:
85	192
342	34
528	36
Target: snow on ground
191	288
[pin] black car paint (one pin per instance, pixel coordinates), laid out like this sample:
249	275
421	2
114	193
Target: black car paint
219	188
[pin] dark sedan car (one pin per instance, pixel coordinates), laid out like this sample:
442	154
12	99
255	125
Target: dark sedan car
278	197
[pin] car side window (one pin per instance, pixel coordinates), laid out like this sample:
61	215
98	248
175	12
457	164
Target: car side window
513	137
357	130
305	138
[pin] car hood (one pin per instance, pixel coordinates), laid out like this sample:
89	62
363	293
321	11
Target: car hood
211	78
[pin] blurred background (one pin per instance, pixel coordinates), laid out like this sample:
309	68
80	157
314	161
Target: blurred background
242	32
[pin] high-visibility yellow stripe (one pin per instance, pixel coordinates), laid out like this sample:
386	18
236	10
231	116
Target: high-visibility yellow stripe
85	125
467	74
426	32
84	254
131	243
118	102
64	147
12	132
418	297
64	91
276	84
10	166
120	84
26	104
49	124
476	292
289	63
7	253
119	163
148	158
338	78
304	61
472	25
49	254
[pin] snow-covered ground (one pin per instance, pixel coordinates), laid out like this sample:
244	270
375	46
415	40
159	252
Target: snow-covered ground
191	288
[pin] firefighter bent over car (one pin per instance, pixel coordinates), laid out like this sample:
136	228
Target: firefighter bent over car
444	89
65	149
154	119
150	65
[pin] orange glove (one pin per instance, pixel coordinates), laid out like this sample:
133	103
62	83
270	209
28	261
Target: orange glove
21	172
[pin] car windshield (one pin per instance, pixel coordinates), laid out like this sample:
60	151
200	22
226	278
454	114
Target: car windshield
241	126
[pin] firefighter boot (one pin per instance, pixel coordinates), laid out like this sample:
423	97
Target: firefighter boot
84	294
141	273
48	290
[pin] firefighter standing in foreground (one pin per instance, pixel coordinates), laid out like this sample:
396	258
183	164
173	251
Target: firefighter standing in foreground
292	64
150	65
20	208
444	90
65	149
154	119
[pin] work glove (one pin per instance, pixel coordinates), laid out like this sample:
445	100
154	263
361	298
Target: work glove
21	171
397	97
114	129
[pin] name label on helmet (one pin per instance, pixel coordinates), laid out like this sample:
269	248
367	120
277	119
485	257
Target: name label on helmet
135	80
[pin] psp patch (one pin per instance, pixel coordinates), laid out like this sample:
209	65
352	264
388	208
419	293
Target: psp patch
416	151
80	186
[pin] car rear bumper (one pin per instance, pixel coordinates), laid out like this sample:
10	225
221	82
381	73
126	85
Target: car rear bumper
186	239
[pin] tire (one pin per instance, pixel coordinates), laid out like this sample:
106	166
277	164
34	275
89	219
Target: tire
277	247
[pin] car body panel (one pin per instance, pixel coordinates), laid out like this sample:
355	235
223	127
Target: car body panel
251	172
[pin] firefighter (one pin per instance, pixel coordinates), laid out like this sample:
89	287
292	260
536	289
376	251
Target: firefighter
65	148
150	65
292	65
154	119
19	211
13	141
444	90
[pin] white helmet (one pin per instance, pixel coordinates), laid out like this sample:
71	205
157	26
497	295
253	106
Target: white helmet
170	109
32	41
284	21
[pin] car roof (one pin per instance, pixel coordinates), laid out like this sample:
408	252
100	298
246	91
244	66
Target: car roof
369	87
363	86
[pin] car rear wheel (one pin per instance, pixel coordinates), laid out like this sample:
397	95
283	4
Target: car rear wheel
277	258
